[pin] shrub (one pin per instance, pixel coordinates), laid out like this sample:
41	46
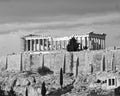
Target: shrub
61	77
73	45
43	89
12	92
2	92
85	48
44	71
98	81
117	91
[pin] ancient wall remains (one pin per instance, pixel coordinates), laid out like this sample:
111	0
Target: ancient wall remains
71	62
36	61
3	63
14	62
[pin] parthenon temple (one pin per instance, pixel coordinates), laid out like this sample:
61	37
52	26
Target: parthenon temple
91	40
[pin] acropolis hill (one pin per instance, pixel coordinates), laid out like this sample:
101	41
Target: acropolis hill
43	51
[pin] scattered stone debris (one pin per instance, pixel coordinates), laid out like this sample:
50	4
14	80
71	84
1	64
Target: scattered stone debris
20	82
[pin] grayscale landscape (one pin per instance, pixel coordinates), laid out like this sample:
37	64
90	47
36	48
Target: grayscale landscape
59	48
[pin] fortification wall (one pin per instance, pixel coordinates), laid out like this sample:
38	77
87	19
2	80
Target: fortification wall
25	62
71	62
3	63
14	62
36	61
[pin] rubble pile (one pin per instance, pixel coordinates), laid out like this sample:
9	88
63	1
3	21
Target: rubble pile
22	82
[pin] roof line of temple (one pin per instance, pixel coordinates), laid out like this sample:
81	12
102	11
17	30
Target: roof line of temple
49	36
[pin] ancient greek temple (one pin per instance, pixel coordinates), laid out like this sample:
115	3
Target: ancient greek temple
36	43
90	40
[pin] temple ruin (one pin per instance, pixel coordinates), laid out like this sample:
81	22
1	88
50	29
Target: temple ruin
91	40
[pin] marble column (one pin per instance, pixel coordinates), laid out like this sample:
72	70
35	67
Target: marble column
100	44
38	46
47	47
52	44
43	44
94	47
96	44
104	44
30	45
57	45
60	45
81	43
89	43
85	41
93	43
34	46
23	44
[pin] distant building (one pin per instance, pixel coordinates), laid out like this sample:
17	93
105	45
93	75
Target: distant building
91	40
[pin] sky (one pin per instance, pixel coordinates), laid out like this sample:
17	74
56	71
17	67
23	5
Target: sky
57	18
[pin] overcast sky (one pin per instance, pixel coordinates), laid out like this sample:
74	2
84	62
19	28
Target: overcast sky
58	18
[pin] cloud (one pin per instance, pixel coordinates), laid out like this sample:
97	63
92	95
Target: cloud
71	21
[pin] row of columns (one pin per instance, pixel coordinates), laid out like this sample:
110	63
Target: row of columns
91	43
60	44
96	43
83	42
46	44
36	45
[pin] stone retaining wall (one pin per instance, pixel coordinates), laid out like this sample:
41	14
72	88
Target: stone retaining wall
71	62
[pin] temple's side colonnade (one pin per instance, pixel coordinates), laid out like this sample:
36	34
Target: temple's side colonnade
41	43
36	43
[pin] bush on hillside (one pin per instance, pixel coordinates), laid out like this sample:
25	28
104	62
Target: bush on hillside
44	71
73	45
